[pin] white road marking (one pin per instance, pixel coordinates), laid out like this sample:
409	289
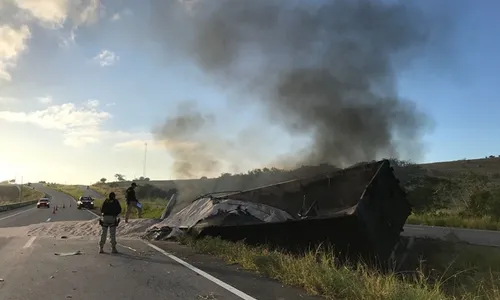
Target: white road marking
130	248
29	242
48	220
13	215
92	213
202	273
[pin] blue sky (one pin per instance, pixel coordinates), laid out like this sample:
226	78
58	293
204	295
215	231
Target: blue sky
68	115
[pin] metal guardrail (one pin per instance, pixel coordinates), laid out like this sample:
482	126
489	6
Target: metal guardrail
16	205
20	204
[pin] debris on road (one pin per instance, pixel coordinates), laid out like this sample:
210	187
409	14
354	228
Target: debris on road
69	253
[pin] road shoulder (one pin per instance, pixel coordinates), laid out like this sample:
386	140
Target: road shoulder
250	283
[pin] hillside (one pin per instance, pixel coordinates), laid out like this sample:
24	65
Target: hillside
192	188
8	193
484	166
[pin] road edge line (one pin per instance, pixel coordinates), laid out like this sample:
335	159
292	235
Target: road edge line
217	281
29	242
13	215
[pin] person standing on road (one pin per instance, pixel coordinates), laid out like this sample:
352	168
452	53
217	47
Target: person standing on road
110	210
132	202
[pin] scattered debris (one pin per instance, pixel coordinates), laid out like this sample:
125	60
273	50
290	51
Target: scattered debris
1	280
69	253
210	296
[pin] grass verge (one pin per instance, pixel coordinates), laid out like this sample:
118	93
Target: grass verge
30	194
318	273
151	208
454	220
71	190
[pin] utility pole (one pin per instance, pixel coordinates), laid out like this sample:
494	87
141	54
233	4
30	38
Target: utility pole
21	190
145	155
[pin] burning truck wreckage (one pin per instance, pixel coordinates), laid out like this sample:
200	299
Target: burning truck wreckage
360	211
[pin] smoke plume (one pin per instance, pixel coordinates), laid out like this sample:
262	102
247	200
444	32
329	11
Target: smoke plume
322	69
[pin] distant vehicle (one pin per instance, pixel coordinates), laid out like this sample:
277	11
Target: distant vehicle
43	202
87	187
85	202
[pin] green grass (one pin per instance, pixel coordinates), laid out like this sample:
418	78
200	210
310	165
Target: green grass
12	194
454	220
318	274
151	208
30	194
71	190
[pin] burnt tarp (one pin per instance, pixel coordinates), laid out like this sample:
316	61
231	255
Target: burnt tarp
359	210
211	211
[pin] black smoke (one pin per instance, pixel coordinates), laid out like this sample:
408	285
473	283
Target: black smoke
321	69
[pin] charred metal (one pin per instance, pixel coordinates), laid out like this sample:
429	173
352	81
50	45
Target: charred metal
360	211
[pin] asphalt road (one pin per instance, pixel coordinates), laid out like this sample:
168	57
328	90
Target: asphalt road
31	215
30	268
473	236
90	192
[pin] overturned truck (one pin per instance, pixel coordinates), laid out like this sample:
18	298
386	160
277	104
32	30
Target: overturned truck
359	210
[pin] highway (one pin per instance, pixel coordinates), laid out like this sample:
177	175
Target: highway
473	236
39	267
31	215
91	192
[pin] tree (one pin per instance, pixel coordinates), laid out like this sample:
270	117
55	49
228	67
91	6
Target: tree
103	180
120	177
12	181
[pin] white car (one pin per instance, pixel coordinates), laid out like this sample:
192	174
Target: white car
43	202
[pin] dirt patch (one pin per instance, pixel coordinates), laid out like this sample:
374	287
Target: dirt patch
75	229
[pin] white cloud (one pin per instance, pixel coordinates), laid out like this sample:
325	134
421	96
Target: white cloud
92	103
139	144
80	125
116	17
51	13
13	42
67	40
106	58
55	14
121	14
45	100
4	100
110	104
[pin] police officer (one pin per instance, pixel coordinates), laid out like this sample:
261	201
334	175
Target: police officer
132	202
110	211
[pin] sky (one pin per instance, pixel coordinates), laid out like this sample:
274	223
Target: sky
82	87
